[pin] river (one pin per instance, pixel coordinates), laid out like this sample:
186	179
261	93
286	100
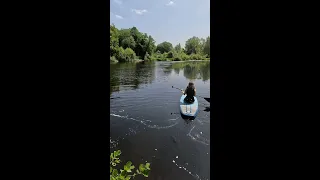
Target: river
145	123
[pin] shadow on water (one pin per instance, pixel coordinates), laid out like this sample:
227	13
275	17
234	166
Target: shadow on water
192	70
207	109
187	118
129	76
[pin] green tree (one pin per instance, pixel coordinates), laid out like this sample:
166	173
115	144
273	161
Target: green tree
114	39
202	44
128	42
138	38
125	39
177	48
136	34
206	48
193	45
164	47
149	46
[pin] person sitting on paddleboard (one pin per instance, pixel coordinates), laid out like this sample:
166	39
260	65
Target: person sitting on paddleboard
190	92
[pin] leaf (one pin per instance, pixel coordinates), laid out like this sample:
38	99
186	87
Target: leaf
123	173
141	167
117	153
127	167
110	169
147	166
115	172
114	164
127	178
145	173
129	163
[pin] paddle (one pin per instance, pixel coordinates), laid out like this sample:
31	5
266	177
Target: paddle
179	89
207	99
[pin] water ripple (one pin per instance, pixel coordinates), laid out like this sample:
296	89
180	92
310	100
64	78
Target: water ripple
146	122
196	176
198	138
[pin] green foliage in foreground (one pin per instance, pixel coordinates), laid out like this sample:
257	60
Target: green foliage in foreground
128	169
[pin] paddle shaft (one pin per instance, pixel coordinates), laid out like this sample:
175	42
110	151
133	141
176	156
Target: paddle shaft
183	91
178	89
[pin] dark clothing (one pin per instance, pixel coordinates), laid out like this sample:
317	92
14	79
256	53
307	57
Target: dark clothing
190	94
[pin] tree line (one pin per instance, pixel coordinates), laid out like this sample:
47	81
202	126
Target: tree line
131	44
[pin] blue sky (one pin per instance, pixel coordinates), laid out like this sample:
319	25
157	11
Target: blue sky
174	21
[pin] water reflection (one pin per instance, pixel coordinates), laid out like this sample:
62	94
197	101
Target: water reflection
191	70
129	76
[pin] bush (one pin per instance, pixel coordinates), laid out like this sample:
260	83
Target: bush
184	56
153	58
165	56
113	59
128	169
125	55
196	57
161	57
177	58
170	54
130	54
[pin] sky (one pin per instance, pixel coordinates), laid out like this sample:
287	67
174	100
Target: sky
173	21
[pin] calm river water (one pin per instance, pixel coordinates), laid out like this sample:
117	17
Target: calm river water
146	124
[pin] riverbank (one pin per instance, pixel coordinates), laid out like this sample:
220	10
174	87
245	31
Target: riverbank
175	60
168	60
113	60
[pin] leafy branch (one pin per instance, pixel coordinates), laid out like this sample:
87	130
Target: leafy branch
128	169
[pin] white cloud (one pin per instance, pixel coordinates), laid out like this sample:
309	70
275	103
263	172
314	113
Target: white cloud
117	1
140	12
171	3
118	16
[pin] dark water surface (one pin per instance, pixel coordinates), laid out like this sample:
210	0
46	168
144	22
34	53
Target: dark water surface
146	124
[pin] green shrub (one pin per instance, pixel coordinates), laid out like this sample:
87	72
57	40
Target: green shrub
130	54
197	57
128	170
125	55
184	56
161	57
177	58
113	59
153	58
170	54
